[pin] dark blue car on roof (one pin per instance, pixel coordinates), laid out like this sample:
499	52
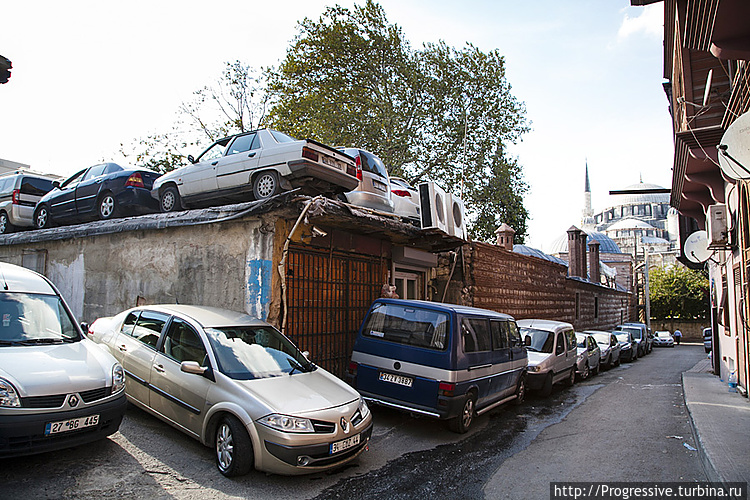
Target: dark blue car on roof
103	191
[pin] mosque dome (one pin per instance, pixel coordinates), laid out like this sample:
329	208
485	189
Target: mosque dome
640	197
606	244
629	223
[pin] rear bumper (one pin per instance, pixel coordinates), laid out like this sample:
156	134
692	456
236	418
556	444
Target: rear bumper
305	174
24	434
369	200
448	407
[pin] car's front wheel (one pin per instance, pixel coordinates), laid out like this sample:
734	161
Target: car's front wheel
234	450
266	184
169	200
5	225
462	423
42	218
586	371
572	377
107	206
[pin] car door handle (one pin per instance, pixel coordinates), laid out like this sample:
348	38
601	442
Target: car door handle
214	163
122	347
159	368
251	154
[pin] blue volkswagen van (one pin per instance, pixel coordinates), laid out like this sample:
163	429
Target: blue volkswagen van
440	360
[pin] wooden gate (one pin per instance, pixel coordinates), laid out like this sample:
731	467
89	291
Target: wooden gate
328	294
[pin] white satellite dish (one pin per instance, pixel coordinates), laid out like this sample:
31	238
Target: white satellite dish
696	247
734	150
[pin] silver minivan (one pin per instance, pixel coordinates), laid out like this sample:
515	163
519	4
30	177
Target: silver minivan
19	193
553	353
57	388
374	189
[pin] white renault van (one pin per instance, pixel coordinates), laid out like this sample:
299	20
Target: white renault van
57	388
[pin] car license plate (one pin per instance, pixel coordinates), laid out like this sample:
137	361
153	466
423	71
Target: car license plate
330	162
70	425
345	444
396	379
380	186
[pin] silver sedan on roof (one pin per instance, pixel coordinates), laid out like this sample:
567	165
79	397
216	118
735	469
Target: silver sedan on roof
236	384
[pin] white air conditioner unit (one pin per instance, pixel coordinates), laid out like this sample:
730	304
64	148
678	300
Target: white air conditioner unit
456	216
716	226
432	204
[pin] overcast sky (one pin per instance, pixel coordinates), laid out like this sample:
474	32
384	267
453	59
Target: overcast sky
88	76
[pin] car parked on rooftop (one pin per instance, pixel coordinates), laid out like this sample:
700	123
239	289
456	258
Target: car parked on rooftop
255	165
374	189
238	385
19	194
552	348
609	348
589	356
103	191
405	200
57	388
663	339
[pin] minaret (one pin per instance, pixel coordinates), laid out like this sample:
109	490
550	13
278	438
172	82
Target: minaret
588	213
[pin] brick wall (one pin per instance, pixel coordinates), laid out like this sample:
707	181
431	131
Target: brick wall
523	286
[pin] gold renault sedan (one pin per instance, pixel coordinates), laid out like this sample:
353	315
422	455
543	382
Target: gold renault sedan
238	385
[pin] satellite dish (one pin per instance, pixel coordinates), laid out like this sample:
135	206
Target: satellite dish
734	150
733	204
696	247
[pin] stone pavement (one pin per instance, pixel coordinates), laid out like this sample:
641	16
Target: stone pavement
721	422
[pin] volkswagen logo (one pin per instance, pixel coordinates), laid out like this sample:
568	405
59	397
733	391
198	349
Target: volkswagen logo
344	425
73	401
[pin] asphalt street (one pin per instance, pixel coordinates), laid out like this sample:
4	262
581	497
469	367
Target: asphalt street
626	424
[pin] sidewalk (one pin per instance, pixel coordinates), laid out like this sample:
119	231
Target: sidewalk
720	420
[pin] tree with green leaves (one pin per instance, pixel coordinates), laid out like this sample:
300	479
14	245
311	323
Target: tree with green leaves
677	292
237	103
351	78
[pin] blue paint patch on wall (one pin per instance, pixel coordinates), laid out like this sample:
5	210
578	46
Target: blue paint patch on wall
258	287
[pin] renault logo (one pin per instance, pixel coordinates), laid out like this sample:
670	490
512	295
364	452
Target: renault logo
344	425
73	401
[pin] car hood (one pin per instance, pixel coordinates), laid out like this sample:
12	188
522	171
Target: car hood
56	369
604	348
537	358
301	393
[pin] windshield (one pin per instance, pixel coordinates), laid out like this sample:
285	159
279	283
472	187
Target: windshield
407	325
622	337
27	318
252	352
541	340
663	335
602	338
634	330
581	341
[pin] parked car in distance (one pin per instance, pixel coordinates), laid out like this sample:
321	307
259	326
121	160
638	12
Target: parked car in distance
438	360
639	338
374	189
57	388
405	200
255	165
589	356
663	339
238	385
628	346
707	339
102	191
19	194
646	336
552	348
609	348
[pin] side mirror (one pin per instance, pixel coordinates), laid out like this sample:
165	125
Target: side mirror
527	341
85	327
56	184
192	367
191	159
306	354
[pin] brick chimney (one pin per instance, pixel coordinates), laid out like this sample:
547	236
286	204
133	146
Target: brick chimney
595	272
505	235
574	251
583	255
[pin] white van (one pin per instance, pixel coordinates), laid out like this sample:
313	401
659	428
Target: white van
553	352
57	388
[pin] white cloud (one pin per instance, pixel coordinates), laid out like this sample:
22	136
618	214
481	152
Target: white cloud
650	22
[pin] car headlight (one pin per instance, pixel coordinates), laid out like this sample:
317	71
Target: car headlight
8	395
534	368
285	423
364	410
118	378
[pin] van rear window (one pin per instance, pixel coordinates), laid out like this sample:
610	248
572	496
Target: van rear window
408	325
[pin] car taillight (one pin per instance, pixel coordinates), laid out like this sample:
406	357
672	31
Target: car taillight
15	196
352	370
135	180
309	154
446	389
401	192
359	168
